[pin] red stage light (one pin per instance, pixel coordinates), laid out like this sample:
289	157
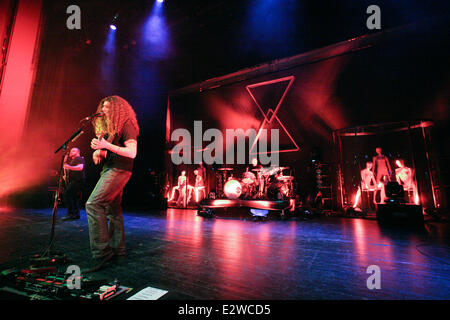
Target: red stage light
221	202
357	197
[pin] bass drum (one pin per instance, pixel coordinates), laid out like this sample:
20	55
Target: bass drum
232	189
275	191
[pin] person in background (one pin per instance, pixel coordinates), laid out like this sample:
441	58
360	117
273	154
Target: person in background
74	177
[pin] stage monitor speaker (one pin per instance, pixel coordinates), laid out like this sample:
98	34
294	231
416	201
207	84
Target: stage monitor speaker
400	214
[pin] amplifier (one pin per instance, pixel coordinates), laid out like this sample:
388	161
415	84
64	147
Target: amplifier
400	213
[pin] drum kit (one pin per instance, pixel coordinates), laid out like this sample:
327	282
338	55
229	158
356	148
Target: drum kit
258	183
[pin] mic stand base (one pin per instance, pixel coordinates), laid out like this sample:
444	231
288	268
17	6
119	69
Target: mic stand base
50	257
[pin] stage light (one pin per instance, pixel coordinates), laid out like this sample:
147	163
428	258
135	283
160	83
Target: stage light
160	1
108	60
113	26
259	212
394	192
155	34
357	197
416	199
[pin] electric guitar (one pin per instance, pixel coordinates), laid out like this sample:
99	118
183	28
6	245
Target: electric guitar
102	153
65	172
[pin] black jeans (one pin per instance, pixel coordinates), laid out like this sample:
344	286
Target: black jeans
104	204
72	197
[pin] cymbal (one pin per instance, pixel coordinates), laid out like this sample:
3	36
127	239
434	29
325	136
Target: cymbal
267	172
285	178
272	170
257	169
225	169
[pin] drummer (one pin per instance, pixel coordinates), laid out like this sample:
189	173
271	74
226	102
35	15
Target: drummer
249	184
255	166
259	182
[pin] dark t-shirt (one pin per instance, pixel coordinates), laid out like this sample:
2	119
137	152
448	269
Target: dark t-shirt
113	160
76	175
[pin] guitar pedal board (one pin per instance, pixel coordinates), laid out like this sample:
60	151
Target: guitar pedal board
47	283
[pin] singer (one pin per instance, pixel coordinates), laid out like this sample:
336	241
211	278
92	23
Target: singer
117	131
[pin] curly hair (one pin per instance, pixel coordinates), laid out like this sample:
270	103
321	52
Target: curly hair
120	112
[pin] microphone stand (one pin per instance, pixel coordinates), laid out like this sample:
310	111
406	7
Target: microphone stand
47	254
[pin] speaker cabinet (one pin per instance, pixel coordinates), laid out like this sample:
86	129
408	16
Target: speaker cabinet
400	214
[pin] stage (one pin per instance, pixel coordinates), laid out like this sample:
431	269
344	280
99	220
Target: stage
199	258
241	208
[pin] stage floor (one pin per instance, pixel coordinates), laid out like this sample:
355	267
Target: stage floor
199	258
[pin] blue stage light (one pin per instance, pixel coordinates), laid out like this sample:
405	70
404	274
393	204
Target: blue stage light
155	38
112	27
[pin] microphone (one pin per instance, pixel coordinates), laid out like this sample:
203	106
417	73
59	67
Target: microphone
95	115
